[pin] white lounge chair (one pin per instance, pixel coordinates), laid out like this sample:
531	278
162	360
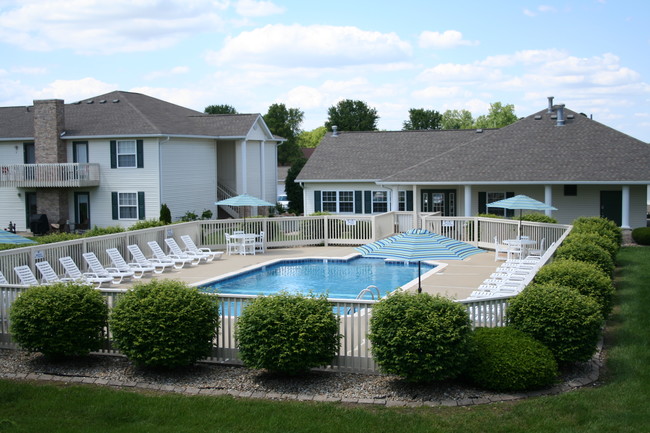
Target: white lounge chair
48	273
72	271
96	267
26	276
177	251
190	246
159	254
158	266
118	261
3	280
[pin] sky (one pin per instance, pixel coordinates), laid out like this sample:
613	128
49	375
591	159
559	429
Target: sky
591	55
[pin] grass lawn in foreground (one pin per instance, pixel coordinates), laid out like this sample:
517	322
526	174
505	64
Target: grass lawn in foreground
620	404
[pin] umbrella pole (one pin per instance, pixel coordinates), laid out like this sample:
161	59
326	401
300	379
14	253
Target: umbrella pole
419	278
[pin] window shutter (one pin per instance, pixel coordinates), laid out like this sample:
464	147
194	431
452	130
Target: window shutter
116	213
367	202
358	202
140	153
113	154
141	205
409	201
317	207
482	201
510	212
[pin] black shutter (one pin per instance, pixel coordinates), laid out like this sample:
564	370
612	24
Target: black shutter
141	205
113	154
140	153
116	213
358	202
317	205
482	201
510	212
367	202
409	201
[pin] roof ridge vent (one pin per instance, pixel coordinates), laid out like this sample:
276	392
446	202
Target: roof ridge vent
335	132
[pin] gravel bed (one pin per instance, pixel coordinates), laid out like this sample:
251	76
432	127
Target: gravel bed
234	380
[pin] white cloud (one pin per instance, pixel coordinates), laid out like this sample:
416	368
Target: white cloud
177	70
446	39
252	8
94	26
311	46
540	9
437	92
457	73
74	90
305	97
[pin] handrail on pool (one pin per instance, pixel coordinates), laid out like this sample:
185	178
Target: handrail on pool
369	290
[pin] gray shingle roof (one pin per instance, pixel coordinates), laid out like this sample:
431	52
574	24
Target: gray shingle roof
532	149
131	114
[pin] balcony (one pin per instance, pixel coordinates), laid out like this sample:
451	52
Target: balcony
68	175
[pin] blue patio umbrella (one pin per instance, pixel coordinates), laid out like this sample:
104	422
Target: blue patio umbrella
418	245
243	200
521	202
12	238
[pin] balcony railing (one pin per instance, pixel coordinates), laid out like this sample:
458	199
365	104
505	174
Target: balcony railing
49	175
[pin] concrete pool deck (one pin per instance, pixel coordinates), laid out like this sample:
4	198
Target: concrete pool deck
457	280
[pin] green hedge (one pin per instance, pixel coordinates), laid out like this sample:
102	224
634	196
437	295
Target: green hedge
604	242
641	235
587	252
505	359
601	226
420	337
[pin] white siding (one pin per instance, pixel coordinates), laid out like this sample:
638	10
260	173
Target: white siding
227	163
12	200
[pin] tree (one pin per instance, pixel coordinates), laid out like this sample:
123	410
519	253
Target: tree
293	189
285	122
498	116
457	119
349	115
220	109
420	118
311	138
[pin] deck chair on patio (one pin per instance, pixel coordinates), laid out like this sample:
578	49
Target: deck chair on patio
26	276
159	254
3	280
72	271
118	261
48	273
537	252
231	245
190	246
498	249
260	243
96	267
177	251
139	257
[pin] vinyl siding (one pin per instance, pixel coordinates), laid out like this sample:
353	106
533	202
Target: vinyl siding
12	206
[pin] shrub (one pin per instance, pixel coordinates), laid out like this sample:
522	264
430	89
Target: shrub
164	323
100	231
565	321
55	237
593	238
602	226
585	277
587	252
63	319
491	215
538	218
165	214
420	337
506	359
189	216
641	235
287	333
145	224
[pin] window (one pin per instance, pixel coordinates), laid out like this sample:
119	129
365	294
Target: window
491	198
379	201
401	197
337	201
127	203
571	190
126	153
346	201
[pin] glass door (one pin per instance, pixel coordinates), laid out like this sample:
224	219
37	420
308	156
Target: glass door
82	210
439	200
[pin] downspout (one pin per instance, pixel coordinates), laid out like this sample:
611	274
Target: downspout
160	185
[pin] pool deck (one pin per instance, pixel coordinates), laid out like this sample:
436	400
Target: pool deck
457	280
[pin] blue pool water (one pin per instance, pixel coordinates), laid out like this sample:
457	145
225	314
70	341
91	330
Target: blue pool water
339	278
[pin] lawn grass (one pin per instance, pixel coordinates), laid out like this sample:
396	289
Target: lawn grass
619	404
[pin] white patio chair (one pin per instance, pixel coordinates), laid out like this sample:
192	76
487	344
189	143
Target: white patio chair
72	271
159	254
260	243
247	246
48	273
3	280
118	261
177	251
190	246
139	257
537	252
99	269
26	276
498	249
231	245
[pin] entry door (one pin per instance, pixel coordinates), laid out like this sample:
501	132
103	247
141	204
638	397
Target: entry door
439	200
82	210
29	157
80	152
611	203
30	206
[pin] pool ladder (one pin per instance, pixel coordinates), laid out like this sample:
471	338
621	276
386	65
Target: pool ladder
370	289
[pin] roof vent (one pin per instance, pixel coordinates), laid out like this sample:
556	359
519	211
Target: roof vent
335	133
538	117
550	104
478	131
76	103
103	101
560	115
569	116
90	102
115	101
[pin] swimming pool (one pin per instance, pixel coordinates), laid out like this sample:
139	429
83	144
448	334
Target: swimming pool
340	278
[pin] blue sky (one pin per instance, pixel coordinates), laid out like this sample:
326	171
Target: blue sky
592	55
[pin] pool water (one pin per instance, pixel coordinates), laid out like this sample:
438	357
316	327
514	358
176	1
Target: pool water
339	278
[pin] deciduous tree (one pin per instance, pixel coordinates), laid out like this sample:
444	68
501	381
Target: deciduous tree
457	119
311	138
285	122
220	109
421	118
349	115
499	116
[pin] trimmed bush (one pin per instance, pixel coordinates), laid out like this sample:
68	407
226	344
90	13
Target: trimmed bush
641	235
287	333
538	218
587	278
165	214
145	224
593	238
420	337
590	253
100	231
63	319
565	321
602	226
506	359
164	323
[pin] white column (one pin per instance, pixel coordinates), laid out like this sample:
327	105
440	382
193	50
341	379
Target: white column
394	199
263	171
468	200
244	172
625	208
548	199
416	207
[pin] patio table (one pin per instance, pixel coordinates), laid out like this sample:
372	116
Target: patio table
522	244
241	238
